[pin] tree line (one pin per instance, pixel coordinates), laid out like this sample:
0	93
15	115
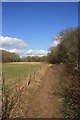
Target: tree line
9	57
67	52
12	57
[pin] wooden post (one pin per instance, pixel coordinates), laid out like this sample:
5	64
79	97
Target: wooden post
28	79
19	92
34	75
19	83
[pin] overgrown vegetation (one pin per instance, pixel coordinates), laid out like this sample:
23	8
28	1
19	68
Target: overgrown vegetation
14	80
67	52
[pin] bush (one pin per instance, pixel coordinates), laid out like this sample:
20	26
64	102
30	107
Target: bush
67	52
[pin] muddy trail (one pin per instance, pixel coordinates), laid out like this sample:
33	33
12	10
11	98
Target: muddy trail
43	103
39	99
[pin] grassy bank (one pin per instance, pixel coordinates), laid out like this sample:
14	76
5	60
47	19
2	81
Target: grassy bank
13	73
69	91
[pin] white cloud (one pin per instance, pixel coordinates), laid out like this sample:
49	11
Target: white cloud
2	49
36	53
55	43
57	40
20	52
15	45
12	42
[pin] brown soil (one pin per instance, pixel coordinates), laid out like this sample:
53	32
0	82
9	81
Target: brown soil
34	63
43	100
43	103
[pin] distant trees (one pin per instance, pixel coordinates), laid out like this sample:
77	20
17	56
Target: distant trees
9	57
34	59
12	57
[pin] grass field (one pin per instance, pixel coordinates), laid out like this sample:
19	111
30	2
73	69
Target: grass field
12	73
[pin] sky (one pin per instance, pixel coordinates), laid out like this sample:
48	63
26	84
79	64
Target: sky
40	0
28	28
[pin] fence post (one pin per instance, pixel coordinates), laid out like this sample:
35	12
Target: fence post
19	92
34	75
5	102
28	79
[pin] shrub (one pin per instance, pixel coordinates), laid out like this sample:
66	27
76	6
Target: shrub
67	52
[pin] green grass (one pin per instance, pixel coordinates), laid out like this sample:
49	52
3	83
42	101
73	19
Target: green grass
30	90
13	72
65	109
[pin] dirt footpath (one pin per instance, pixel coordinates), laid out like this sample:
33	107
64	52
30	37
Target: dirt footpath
41	98
44	103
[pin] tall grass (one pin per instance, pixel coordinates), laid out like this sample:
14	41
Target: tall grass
12	75
13	72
